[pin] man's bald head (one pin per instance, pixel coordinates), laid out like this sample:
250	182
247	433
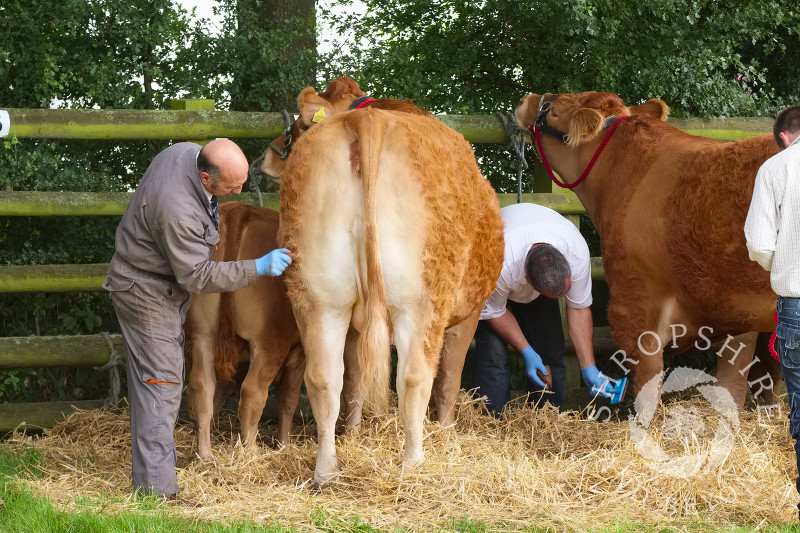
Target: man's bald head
222	167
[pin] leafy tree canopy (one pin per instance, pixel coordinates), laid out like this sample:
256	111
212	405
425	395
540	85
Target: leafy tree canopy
703	57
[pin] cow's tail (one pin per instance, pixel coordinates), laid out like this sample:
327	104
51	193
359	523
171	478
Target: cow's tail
226	350
373	345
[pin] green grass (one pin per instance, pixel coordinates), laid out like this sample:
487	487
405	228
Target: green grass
22	512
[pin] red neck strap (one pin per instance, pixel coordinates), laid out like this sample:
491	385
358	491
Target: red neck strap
597	152
365	102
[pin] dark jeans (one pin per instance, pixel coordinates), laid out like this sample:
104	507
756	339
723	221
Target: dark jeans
540	322
787	345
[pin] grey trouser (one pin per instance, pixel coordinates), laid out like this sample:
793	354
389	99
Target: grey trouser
151	312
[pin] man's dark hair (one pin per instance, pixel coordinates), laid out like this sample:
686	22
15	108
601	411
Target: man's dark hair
787	120
547	269
204	165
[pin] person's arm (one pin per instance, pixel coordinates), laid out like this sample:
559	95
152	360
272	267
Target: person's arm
761	224
581	330
507	327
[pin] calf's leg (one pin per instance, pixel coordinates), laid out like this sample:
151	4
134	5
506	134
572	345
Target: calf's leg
447	383
287	391
266	358
200	396
353	390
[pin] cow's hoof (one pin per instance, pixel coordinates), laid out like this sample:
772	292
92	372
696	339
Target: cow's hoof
323	482
412	460
204	457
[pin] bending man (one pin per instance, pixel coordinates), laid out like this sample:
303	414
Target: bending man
163	245
545	257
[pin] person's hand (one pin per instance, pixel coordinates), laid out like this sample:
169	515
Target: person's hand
274	263
533	363
596	381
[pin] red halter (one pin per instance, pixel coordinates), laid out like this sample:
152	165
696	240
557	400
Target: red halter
541	124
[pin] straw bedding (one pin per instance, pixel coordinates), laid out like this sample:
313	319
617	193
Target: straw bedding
535	467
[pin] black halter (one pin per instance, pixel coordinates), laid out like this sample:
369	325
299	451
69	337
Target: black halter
541	121
288	139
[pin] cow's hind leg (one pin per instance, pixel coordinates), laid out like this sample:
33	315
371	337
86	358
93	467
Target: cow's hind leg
323	335
353	390
287	391
266	358
202	384
451	363
415	371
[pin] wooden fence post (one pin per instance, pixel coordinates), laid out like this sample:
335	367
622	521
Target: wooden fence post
194	104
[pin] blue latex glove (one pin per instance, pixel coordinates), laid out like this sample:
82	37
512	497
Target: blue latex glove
274	263
533	363
597	382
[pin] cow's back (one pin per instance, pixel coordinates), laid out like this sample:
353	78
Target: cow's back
435	212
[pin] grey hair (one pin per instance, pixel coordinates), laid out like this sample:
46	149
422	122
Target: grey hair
547	269
204	165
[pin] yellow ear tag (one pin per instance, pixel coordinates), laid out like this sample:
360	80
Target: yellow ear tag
319	116
585	130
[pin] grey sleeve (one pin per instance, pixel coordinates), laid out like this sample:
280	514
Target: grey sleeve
187	244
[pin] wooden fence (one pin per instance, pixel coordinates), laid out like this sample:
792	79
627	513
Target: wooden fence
196	120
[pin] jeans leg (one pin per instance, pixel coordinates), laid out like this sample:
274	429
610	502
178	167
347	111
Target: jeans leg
540	321
787	344
491	372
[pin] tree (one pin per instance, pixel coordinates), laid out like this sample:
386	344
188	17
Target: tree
137	54
455	56
704	58
283	31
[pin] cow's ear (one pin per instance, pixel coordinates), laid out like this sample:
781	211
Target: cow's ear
584	126
653	108
312	106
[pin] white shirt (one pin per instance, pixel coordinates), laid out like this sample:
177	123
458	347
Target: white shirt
526	225
772	227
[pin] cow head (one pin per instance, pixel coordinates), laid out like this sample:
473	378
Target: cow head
314	107
580	118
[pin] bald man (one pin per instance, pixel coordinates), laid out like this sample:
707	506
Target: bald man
163	246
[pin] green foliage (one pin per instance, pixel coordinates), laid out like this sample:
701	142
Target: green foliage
138	54
702	57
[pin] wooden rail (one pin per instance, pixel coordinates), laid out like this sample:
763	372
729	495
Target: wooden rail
184	125
198	121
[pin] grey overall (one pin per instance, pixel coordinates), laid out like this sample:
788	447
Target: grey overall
162	250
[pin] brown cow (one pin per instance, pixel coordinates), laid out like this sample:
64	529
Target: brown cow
670	209
392	227
254	323
340	96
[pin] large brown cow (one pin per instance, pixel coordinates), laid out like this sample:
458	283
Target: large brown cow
340	96
253	324
670	210
393	228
